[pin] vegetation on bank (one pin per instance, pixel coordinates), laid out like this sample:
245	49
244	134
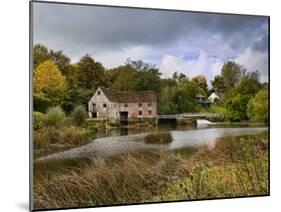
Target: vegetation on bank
50	137
54	131
158	137
58	82
233	167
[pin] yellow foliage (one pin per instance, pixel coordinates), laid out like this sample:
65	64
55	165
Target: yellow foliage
48	78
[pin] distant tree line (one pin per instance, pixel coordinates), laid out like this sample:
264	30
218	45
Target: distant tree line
58	82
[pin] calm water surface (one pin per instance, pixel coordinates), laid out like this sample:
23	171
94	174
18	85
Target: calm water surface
113	145
114	142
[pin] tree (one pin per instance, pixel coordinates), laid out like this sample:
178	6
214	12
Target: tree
79	115
181	76
179	98
71	97
40	102
61	60
119	77
143	81
239	97
90	73
55	117
139	65
175	75
38	120
49	81
237	107
201	81
257	108
40	54
231	73
218	84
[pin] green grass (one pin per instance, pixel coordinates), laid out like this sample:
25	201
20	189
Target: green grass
214	109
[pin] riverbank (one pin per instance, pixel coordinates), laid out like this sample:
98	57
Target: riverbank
232	167
114	145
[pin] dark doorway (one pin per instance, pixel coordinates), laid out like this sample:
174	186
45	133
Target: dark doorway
94	114
123	117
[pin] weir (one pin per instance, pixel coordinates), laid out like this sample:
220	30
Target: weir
186	118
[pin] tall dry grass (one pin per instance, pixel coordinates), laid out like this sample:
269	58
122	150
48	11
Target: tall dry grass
234	167
158	137
129	179
48	136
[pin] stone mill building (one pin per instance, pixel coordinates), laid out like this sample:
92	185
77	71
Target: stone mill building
122	105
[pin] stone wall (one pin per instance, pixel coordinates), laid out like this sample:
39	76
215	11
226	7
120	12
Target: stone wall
100	104
134	109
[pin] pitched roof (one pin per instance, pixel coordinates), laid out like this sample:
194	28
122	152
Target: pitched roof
213	95
200	95
129	96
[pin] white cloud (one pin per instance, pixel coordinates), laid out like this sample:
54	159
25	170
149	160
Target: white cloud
211	66
254	60
112	59
205	65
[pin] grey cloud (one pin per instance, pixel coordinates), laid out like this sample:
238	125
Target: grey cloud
81	28
261	44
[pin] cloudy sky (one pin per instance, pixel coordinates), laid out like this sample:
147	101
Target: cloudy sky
191	43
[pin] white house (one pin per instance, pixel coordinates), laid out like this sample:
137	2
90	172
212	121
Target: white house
213	97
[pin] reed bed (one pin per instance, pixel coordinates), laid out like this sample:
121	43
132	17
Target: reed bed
234	167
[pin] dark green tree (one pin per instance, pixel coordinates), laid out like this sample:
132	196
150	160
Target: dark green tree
143	81
257	108
91	74
231	73
40	54
61	60
239	97
218	84
118	78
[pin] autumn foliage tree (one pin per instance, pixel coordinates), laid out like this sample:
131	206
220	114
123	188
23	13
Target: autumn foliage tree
49	82
201	81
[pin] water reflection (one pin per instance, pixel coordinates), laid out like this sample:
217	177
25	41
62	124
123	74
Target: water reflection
122	131
110	146
208	136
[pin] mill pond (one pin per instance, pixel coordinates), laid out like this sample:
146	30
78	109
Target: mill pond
113	142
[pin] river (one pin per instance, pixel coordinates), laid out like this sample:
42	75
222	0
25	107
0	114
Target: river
132	140
112	145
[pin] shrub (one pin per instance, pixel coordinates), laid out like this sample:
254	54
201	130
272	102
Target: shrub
55	117
158	138
257	108
47	136
40	102
79	115
38	120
